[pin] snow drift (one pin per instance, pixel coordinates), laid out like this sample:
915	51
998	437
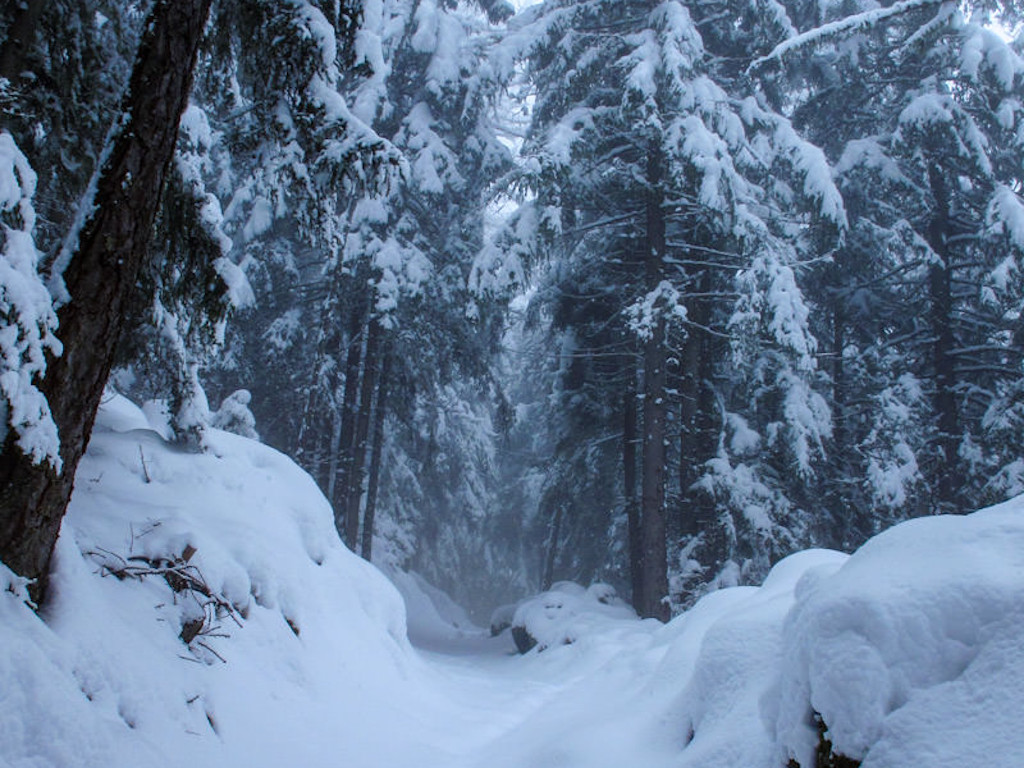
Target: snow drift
107	678
205	613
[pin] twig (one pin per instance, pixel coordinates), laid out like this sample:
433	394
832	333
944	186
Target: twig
145	469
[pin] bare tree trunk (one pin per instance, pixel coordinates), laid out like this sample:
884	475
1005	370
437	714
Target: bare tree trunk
346	435
692	401
551	555
379	414
317	409
100	279
941	319
629	443
652	517
362	430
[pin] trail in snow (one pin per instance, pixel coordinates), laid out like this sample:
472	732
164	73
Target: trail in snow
318	672
567	706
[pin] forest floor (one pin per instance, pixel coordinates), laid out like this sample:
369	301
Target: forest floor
514	711
302	654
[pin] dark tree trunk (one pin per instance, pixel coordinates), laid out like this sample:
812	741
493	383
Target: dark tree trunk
652	515
316	446
695	388
708	425
100	279
379	414
941	320
340	478
629	443
551	555
362	431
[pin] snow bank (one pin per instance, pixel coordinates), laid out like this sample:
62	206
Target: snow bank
906	653
205	613
910	653
432	617
108	680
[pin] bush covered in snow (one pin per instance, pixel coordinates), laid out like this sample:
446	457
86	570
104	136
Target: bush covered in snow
910	653
565	612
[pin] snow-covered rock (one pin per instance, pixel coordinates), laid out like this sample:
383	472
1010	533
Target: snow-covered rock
562	614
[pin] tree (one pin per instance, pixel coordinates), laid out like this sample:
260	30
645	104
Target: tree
110	246
653	184
923	328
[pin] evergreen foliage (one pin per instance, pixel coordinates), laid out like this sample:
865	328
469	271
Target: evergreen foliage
637	291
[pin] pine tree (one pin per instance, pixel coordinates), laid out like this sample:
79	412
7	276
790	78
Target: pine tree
110	247
645	168
923	331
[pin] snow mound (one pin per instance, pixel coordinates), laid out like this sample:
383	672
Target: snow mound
302	638
565	612
910	653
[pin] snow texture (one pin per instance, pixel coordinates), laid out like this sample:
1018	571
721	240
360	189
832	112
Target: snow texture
27	319
908	650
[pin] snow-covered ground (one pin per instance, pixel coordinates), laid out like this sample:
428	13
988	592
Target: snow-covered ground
911	651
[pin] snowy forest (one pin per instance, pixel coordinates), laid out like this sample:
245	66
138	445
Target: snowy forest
647	295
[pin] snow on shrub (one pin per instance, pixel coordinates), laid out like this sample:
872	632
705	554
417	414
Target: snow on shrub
565	612
910	653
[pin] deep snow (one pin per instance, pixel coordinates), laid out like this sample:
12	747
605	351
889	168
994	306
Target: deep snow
911	649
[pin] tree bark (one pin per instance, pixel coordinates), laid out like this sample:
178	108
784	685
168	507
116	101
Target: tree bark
652	516
379	414
341	476
629	443
362	430
100	279
551	554
693	421
941	320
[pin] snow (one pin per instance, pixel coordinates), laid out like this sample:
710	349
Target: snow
568	611
909	649
27	319
432	617
897	649
863	20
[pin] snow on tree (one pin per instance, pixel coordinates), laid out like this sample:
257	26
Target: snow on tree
27	319
665	194
926	288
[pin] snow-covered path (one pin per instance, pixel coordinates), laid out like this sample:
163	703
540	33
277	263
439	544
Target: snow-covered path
569	706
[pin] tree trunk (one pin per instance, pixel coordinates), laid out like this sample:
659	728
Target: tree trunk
547	577
652	516
629	443
694	400
320	423
100	279
362	431
379	413
941	320
346	436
